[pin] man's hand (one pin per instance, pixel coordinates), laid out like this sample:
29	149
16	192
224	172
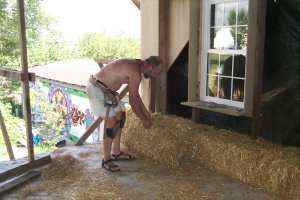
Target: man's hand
147	123
147	114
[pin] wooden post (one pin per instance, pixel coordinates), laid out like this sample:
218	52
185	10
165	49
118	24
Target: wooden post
25	83
194	52
6	138
161	81
260	21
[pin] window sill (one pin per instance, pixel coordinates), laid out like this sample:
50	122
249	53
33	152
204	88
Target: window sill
229	110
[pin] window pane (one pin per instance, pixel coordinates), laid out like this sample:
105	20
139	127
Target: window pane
223	38
212	63
229	14
225	65
225	88
239	66
213	33
227	32
243	13
212	71
212	86
238	90
242	37
216	15
212	15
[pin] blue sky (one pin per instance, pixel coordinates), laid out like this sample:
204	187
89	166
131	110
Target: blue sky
79	16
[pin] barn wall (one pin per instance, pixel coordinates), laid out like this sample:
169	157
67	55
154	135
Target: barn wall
281	78
177	86
178	33
149	40
165	32
280	101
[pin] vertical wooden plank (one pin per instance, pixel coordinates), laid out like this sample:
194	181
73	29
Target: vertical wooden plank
161	81
258	63
178	29
6	138
25	83
194	54
149	46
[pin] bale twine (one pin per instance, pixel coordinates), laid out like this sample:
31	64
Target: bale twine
175	141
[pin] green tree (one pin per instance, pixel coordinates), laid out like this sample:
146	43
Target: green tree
100	45
12	124
242	27
36	24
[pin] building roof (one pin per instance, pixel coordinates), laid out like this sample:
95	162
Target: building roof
72	71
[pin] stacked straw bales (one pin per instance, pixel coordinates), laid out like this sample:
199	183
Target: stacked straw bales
176	141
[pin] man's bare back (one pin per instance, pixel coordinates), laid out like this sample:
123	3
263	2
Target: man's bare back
119	71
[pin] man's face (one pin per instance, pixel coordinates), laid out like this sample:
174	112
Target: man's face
153	71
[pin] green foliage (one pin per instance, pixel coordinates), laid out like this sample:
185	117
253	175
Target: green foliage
48	51
100	45
12	124
44	45
241	30
36	23
10	93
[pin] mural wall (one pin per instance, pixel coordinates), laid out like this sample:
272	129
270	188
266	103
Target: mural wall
74	106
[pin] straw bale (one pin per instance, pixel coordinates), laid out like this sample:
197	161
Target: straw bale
175	141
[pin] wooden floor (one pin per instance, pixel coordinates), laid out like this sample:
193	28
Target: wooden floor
11	164
83	178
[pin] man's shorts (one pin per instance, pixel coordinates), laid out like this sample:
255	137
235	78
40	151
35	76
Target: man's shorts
96	98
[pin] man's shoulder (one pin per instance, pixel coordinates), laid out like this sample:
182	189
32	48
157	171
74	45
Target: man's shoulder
126	61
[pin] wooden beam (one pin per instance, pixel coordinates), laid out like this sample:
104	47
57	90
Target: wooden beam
17	171
6	138
25	83
17	75
97	122
18	181
260	21
137	3
161	81
90	130
194	54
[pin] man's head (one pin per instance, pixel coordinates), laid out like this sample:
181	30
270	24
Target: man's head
154	66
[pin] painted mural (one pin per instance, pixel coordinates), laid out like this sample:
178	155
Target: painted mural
61	103
74	106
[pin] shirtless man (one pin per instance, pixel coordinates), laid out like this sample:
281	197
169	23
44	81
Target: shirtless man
101	89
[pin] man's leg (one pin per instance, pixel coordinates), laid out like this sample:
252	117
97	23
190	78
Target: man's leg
117	154
107	144
116	143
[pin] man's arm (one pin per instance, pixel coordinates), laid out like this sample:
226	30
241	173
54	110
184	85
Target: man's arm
146	112
135	100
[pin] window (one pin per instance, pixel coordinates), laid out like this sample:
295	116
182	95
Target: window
223	59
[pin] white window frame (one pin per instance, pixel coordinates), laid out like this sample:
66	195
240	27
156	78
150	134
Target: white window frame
205	51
